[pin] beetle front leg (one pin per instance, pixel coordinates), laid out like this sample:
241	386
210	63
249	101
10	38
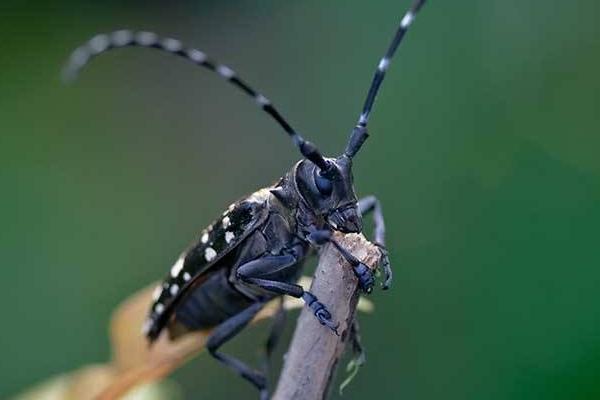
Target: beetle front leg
362	272
263	272
371	204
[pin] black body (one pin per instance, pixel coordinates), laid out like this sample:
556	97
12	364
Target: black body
255	251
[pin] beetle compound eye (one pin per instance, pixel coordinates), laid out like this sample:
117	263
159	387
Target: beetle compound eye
324	184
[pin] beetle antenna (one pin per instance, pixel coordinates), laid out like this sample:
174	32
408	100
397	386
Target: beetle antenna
359	133
124	38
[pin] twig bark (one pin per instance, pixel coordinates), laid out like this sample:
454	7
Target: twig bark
315	351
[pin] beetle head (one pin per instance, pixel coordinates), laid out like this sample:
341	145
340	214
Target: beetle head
330	195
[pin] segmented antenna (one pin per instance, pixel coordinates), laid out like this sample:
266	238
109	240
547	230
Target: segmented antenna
124	38
359	133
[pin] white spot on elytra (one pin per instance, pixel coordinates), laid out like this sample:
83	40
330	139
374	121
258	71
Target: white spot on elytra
209	254
231	207
146	326
229	236
384	64
159	308
226	222
407	20
176	269
225	71
157	292
174	289
186	276
204	238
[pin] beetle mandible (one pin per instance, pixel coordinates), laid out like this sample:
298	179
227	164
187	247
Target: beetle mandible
254	252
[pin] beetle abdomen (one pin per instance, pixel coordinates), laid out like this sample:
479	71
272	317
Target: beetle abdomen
211	303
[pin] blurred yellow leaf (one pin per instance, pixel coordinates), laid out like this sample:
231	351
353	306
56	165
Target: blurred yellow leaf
89	381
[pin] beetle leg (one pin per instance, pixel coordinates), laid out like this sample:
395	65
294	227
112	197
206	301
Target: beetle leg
362	272
320	311
263	272
225	332
371	204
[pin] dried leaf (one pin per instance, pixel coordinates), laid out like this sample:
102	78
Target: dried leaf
87	382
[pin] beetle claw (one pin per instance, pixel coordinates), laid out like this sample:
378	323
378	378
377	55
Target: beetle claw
385	266
365	277
320	311
324	318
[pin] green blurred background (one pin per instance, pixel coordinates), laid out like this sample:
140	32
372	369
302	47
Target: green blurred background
484	152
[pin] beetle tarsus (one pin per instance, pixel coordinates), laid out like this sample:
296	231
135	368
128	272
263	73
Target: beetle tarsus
371	204
363	273
385	266
365	277
320	311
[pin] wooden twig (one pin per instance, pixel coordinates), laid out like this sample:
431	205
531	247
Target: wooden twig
314	352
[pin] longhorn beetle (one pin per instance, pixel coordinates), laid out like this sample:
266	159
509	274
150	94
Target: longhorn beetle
254	252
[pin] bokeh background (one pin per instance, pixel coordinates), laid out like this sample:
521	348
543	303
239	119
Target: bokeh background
484	152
